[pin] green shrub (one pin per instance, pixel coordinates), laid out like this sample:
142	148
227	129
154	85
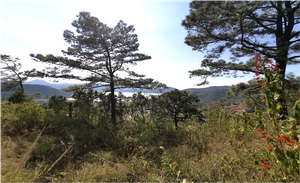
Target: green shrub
47	146
18	118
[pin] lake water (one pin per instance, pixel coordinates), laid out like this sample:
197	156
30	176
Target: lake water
129	94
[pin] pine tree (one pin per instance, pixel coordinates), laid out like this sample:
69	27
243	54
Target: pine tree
101	52
267	28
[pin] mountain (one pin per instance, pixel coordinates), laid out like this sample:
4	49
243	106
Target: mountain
209	94
66	85
133	90
206	95
45	90
53	85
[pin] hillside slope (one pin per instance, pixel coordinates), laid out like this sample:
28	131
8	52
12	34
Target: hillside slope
209	94
45	90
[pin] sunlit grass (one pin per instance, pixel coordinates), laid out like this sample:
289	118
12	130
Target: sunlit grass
222	149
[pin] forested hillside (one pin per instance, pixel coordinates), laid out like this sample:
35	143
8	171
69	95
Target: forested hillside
210	94
45	91
193	135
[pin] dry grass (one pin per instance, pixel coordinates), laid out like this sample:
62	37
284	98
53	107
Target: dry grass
206	153
11	153
14	153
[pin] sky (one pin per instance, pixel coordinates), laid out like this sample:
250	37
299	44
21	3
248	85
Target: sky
37	27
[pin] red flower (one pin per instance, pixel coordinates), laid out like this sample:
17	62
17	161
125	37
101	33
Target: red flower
263	136
288	144
258	130
282	138
265	166
263	86
257	83
277	64
270	61
270	148
266	140
260	176
256	73
251	102
280	69
211	104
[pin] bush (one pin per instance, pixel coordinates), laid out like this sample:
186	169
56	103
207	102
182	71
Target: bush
19	118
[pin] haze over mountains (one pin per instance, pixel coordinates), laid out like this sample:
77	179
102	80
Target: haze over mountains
206	95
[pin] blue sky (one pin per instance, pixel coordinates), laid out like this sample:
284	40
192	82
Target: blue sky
37	27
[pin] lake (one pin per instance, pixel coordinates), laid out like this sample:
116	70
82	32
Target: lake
129	94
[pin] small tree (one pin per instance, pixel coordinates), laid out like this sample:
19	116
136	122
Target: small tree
84	102
179	104
139	104
101	52
11	73
57	103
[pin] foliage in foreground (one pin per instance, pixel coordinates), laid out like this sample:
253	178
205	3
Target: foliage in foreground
256	146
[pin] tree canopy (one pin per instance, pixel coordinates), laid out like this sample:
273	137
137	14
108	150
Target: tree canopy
265	28
101	53
268	28
11	73
179	104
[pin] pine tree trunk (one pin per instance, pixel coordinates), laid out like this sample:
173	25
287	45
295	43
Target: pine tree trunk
176	122
282	43
113	102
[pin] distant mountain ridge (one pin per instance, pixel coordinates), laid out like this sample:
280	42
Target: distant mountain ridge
206	95
66	85
45	90
209	94
53	85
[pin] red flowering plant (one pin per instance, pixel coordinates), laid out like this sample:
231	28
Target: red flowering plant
282	148
276	151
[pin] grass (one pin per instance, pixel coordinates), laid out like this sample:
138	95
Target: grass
223	149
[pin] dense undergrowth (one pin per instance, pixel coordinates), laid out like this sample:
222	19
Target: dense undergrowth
42	143
225	148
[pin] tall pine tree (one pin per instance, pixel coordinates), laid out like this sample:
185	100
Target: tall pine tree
268	28
100	53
